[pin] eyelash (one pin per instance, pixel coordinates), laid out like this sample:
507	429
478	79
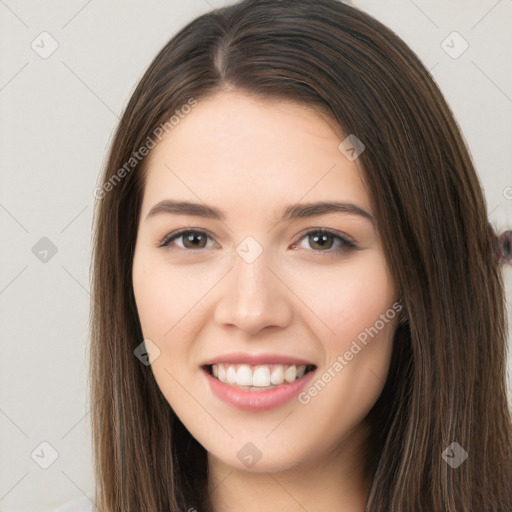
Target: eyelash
346	243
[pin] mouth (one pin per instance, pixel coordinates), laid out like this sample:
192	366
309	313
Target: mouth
259	377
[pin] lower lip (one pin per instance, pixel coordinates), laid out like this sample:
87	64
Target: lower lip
257	400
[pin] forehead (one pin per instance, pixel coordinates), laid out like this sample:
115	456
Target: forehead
233	145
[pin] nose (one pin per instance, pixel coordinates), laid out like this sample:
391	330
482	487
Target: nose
253	296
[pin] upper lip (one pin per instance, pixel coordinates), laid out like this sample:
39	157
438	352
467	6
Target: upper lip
255	359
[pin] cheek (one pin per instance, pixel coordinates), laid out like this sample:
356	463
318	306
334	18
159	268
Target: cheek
171	315
350	297
150	301
352	302
159	294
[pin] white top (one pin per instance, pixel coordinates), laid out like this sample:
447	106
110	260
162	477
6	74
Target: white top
83	504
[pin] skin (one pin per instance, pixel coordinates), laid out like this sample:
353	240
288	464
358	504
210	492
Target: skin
251	157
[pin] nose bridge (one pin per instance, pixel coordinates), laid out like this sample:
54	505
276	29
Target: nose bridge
252	297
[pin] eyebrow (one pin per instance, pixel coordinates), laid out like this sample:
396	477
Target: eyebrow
290	212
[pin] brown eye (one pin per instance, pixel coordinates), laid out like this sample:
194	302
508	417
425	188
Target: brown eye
190	239
321	240
196	240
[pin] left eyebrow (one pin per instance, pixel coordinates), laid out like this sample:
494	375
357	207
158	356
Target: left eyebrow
306	210
290	212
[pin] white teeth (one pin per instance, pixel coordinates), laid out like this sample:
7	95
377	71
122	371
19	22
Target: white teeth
244	376
257	377
261	377
290	373
277	376
221	372
231	375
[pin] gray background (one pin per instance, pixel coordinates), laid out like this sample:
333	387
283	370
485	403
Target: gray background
57	116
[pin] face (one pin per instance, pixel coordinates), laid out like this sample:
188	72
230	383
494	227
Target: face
292	306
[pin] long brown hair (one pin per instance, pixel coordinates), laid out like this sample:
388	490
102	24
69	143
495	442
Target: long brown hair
447	380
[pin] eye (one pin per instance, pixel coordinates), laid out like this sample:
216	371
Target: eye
323	240
192	239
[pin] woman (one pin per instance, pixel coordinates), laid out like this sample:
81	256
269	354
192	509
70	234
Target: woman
234	365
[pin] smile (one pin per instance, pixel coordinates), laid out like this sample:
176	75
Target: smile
258	386
257	377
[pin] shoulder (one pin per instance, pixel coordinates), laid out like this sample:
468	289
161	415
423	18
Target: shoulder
83	504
